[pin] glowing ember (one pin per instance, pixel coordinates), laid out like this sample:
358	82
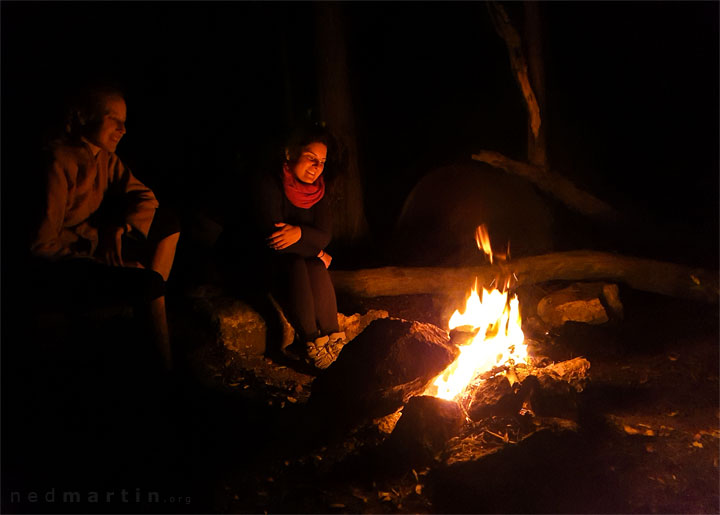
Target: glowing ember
498	339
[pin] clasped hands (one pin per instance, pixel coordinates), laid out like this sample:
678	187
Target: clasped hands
287	235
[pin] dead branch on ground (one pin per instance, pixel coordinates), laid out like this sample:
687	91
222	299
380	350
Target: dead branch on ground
553	183
641	274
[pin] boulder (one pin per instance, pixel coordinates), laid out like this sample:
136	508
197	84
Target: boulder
424	428
355	324
391	361
236	325
438	220
589	303
246	329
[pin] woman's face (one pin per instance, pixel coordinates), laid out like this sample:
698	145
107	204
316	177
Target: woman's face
310	164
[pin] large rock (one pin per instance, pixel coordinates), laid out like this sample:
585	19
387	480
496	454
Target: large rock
437	224
424	428
391	361
236	325
589	303
248	329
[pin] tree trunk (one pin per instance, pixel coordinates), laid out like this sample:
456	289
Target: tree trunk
641	274
505	30
537	148
336	110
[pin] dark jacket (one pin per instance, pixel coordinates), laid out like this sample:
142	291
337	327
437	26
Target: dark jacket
271	206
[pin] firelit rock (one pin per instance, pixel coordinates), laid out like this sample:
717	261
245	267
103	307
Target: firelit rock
246	330
237	326
391	361
353	325
426	424
588	303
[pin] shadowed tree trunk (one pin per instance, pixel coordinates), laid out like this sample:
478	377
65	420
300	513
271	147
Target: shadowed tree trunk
537	148
506	30
526	61
350	225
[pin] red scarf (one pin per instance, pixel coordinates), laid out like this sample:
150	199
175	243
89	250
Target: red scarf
299	193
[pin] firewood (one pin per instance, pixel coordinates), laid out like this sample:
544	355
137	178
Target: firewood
641	274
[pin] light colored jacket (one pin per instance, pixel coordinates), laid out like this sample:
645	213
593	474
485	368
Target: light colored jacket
77	185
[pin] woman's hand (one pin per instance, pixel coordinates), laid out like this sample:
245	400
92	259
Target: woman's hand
284	237
110	246
325	258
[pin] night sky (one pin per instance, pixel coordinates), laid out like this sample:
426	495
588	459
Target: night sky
632	92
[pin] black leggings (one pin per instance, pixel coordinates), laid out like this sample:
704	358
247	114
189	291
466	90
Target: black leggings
303	288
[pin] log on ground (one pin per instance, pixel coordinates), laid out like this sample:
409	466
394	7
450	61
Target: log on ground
642	274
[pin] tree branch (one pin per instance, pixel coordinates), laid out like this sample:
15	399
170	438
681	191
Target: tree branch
553	183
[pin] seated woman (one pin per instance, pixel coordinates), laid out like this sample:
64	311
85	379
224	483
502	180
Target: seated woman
295	221
101	234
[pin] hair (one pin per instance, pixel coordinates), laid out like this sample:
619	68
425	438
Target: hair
315	133
86	107
302	137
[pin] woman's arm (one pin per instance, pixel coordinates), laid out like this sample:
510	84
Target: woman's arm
304	239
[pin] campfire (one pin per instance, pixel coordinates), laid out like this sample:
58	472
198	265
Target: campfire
494	336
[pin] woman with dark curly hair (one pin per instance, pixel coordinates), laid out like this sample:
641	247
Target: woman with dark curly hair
293	214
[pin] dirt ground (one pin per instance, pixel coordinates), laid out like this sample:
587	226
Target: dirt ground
223	436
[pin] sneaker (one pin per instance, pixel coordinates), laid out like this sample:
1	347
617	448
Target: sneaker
336	343
337	336
318	353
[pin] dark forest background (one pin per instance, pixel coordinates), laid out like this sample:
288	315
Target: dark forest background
632	95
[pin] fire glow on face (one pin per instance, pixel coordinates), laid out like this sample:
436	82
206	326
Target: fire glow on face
499	340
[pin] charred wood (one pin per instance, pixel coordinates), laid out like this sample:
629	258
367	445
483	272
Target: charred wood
494	397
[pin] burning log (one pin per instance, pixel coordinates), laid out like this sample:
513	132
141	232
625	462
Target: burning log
553	183
495	397
543	392
391	361
638	273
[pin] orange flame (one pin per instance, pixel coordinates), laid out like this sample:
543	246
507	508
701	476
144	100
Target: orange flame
498	340
482	238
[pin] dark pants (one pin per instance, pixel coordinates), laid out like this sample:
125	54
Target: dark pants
84	282
303	288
